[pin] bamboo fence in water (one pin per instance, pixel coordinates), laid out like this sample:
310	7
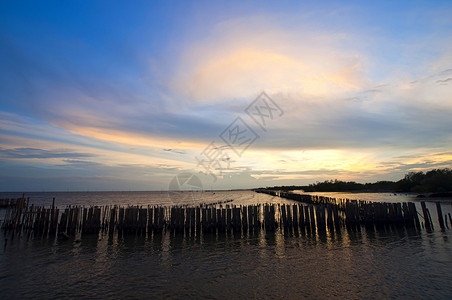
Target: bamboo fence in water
315	213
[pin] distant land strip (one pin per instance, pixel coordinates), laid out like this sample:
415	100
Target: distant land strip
436	181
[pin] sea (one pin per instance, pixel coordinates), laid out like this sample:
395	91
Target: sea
394	263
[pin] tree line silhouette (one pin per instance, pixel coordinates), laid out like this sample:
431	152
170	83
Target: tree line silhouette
434	181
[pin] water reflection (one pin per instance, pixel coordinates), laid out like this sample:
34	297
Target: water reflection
121	243
350	262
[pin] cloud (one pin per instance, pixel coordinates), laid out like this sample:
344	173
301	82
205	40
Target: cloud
444	81
178	151
357	98
82	175
18	153
239	60
311	73
397	115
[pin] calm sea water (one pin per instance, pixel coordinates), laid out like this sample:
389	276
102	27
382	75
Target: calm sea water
366	263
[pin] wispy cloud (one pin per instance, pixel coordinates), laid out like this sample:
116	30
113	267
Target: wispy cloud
18	153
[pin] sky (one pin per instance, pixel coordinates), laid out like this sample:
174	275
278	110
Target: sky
108	95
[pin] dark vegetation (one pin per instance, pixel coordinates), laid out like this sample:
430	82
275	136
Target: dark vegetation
434	181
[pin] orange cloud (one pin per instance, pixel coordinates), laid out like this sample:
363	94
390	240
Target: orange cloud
133	139
241	63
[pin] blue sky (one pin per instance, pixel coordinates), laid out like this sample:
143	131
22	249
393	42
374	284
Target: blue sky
102	95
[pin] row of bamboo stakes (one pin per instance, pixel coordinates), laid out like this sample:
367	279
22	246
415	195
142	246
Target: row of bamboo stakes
368	213
313	212
7	202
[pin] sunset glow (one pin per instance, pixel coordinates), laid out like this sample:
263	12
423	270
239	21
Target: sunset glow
126	98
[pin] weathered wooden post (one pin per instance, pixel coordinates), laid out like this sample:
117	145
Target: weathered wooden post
289	216
307	216
295	215
414	215
301	212
440	215
245	218
425	212
312	216
283	215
